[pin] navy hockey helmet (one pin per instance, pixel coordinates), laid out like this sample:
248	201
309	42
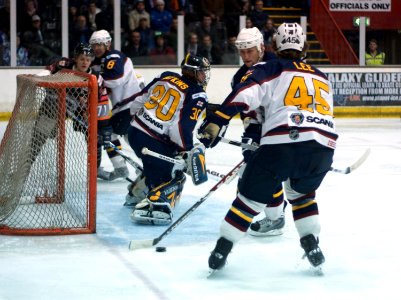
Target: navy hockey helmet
196	66
84	49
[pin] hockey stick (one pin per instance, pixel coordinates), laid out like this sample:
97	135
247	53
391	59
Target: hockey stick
138	244
146	151
346	170
354	166
138	168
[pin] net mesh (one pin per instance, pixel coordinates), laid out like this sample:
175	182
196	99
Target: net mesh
45	156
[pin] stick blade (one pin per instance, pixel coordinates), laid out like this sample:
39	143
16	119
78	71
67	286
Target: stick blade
360	161
140	244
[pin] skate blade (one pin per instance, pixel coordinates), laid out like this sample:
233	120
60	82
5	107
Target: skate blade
317	271
212	273
273	232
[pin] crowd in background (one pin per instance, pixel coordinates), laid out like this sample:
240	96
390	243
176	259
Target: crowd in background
148	27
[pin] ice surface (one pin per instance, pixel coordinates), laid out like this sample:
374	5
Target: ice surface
360	217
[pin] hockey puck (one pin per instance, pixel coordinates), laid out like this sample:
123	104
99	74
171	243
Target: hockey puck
161	249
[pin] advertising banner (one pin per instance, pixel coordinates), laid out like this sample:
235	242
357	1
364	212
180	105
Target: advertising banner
366	89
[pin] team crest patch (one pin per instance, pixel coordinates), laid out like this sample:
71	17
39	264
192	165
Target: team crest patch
297	118
294	134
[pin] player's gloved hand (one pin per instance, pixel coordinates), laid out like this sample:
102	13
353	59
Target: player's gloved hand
246	153
209	134
104	137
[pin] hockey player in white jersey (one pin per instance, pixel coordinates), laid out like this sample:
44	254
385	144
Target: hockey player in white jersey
297	144
123	83
251	47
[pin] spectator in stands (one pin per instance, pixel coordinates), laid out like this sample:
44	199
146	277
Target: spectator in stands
5	16
135	49
34	39
162	54
258	15
136	14
232	11
374	57
211	51
22	54
248	23
80	33
193	44
207	27
160	18
268	30
72	16
4	48
147	33
213	8
93	10
231	55
105	18
172	35
25	17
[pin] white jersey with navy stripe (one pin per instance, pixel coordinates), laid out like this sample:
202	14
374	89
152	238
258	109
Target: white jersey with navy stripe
296	101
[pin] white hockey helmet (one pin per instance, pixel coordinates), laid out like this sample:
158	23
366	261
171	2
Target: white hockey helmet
100	37
290	36
249	38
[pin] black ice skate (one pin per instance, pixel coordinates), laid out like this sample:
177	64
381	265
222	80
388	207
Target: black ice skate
312	251
218	257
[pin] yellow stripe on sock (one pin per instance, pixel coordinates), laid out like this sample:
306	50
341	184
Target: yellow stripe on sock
304	205
240	214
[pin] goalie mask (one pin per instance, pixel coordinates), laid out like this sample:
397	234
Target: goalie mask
197	68
290	36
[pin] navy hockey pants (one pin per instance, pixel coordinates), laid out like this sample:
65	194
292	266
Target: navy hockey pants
305	163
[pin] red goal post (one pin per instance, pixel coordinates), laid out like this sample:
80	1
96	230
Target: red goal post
48	156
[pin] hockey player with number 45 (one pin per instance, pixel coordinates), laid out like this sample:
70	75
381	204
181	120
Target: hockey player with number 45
165	115
297	144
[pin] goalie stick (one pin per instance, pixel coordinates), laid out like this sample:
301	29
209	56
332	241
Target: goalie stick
346	170
216	175
138	244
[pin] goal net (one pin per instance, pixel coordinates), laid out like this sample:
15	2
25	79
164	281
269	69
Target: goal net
48	156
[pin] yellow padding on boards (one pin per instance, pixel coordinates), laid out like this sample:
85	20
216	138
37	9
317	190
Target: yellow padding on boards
368	112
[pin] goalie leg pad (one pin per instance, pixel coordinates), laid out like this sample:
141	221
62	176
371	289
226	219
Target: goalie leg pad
170	191
157	208
153	213
197	164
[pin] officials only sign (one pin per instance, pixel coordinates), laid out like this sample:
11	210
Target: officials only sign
360	5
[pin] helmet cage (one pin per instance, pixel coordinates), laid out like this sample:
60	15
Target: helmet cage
195	65
85	49
290	36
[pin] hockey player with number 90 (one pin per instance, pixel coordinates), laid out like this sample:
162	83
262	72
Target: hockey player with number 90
165	115
297	144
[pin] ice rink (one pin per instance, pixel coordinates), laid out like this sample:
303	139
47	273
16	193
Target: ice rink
360	237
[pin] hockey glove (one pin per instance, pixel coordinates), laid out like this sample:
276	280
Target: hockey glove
104	136
251	136
196	164
209	134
